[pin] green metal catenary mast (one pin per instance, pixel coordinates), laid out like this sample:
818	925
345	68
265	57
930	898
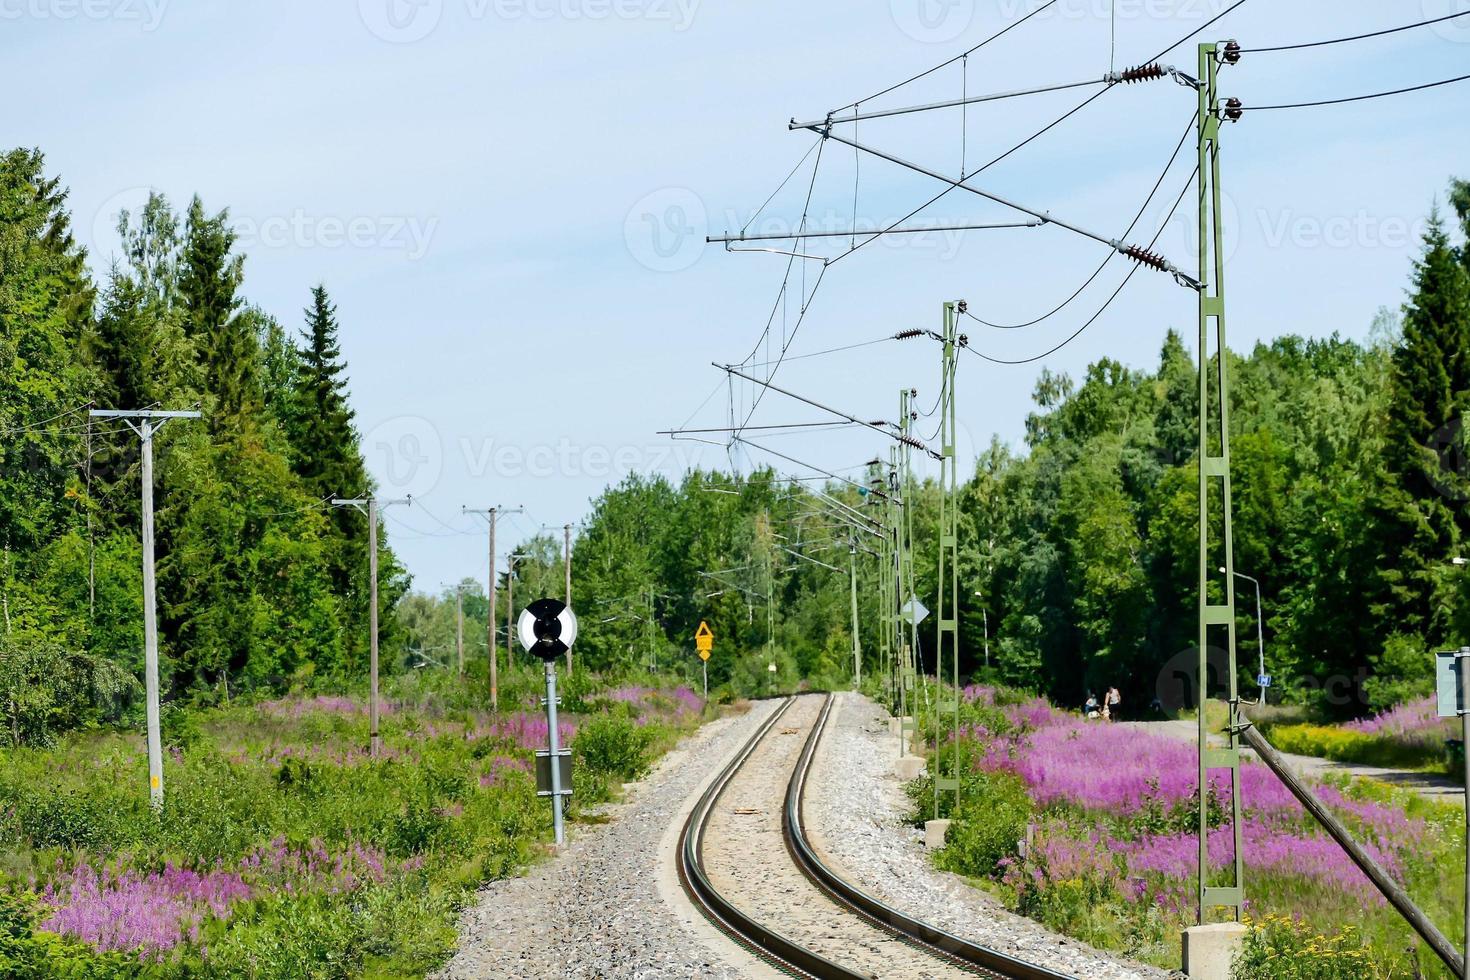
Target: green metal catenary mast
1216	619
946	613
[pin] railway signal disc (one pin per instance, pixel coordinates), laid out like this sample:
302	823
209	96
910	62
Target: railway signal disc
547	628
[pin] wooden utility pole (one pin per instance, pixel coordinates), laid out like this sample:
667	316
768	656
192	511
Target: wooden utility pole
459	626
370	506
567	567
492	515
147	425
510	607
490	646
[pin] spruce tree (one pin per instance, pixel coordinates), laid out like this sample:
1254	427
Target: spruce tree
210	275
324	438
1415	510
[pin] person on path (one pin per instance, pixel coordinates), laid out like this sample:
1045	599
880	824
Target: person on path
1091	708
1112	699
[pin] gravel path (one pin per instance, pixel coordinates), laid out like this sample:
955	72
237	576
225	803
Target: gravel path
610	905
855	808
746	858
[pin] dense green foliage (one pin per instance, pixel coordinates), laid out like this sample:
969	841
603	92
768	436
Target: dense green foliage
256	579
1347	463
1350	497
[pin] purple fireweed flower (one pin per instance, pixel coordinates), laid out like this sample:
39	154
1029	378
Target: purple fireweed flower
982	693
688	702
297	708
149	913
527	730
1413	724
500	766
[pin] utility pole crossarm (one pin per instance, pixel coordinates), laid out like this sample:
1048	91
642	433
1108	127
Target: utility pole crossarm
111	413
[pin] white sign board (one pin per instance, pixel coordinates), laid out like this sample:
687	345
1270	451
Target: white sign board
1447	685
914	611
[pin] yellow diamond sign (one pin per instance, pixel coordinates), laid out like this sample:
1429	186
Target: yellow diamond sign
704	640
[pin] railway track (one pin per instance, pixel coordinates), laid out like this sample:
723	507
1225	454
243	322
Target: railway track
751	870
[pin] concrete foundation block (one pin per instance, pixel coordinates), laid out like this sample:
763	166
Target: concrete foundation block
910	767
1209	950
935	832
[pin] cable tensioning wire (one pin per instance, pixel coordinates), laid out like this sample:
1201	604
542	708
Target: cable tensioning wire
830	350
760	395
1098	271
1355	37
1108	302
944	64
702	404
1357	98
762	208
786	279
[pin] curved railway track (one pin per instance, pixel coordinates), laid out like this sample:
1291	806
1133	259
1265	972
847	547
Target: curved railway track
842	932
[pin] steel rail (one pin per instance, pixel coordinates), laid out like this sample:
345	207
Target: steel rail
944	945
763	941
784	953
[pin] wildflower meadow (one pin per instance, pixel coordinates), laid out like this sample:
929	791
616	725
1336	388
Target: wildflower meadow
1091	828
284	849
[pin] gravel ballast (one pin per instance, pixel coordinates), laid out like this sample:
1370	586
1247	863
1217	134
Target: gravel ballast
610	904
748	863
854	814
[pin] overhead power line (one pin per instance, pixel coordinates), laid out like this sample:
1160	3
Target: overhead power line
1140	73
885	428
750	428
1109	257
808	298
1357	98
1355	37
1106	303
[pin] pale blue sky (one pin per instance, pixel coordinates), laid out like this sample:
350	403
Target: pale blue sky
478	183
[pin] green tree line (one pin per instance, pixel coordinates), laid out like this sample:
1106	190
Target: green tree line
259	579
1079	550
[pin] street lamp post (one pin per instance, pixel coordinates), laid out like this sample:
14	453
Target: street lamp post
985	620
1260	632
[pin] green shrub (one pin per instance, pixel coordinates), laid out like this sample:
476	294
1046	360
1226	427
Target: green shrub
988	826
1399	673
1284	948
65	818
1346	745
179	727
613	745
